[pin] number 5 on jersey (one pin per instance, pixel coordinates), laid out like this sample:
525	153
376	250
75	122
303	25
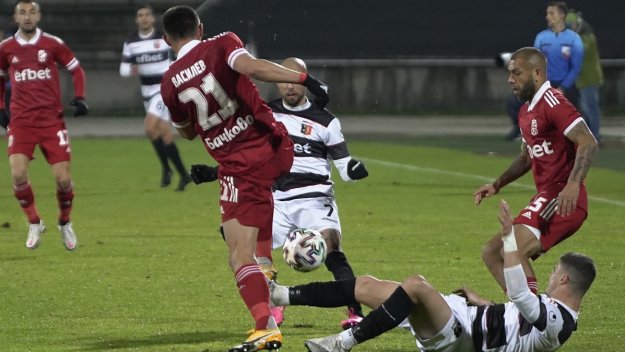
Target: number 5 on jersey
210	86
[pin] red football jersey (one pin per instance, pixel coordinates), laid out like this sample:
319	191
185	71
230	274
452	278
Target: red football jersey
35	96
544	122
202	89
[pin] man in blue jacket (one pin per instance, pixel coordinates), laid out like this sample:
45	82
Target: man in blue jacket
563	48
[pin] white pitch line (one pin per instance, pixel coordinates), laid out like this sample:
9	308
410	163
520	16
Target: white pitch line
476	177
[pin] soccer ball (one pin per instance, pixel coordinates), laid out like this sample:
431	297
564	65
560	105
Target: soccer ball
304	250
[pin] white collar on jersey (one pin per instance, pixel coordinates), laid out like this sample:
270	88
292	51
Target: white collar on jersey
187	47
304	106
143	36
539	94
32	40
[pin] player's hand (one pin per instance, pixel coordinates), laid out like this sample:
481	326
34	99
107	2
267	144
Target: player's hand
80	107
485	191
356	170
203	173
567	199
318	89
4	118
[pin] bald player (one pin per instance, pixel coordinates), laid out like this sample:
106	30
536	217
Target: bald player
558	148
304	198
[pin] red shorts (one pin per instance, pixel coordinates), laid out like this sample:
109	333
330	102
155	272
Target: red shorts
541	214
249	198
52	140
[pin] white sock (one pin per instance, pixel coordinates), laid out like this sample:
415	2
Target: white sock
280	295
347	339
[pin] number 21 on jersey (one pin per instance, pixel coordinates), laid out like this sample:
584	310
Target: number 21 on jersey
209	86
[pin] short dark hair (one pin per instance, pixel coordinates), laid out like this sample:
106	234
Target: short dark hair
26	2
561	5
144	6
581	270
180	22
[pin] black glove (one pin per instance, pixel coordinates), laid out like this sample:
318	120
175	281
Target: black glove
81	107
356	170
4	118
203	173
319	89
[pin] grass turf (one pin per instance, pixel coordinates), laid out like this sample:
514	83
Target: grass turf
151	274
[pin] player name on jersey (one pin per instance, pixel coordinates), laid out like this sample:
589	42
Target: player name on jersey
188	73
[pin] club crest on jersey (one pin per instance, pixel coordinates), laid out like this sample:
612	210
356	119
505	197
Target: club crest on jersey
306	128
42	55
534	127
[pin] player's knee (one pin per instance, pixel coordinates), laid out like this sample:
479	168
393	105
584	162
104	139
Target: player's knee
63	181
490	253
19	175
365	283
415	286
333	239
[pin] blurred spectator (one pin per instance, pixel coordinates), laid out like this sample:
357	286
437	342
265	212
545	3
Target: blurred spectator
591	75
563	48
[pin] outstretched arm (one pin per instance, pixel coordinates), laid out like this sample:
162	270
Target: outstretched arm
516	282
519	167
586	148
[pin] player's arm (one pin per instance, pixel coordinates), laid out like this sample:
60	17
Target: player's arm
67	59
350	169
577	58
519	167
186	129
519	292
267	71
586	148
4	115
126	67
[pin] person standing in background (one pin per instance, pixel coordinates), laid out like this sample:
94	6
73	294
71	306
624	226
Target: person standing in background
591	76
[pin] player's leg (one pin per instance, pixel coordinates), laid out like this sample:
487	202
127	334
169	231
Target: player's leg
392	303
21	145
151	122
26	198
65	197
252	284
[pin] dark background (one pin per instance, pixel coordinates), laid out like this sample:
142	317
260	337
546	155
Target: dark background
366	29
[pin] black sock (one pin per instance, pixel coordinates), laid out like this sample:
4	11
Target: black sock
336	262
174	156
159	147
323	294
384	318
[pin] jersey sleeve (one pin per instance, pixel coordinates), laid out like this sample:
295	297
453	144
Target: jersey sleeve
562	115
232	47
577	57
65	57
337	148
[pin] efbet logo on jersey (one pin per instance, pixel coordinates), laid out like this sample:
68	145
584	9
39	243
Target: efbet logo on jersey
538	150
28	74
306	129
42	56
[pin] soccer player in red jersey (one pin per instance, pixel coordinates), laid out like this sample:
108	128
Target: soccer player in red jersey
558	147
209	93
30	58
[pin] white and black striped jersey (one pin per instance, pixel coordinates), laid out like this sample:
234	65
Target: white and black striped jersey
502	327
317	139
152	56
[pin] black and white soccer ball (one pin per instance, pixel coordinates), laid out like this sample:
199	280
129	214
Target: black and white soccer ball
304	250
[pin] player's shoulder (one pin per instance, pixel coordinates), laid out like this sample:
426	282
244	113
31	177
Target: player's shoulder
52	38
132	37
6	42
224	37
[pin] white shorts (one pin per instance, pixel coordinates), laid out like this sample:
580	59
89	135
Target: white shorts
312	213
456	335
156	106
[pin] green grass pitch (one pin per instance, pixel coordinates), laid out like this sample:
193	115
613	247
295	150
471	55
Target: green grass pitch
151	274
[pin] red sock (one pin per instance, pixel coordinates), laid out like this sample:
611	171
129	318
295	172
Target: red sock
65	198
533	284
26	198
255	293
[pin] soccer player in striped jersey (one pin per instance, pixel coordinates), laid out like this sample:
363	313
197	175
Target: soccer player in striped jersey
463	321
146	54
558	148
30	58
